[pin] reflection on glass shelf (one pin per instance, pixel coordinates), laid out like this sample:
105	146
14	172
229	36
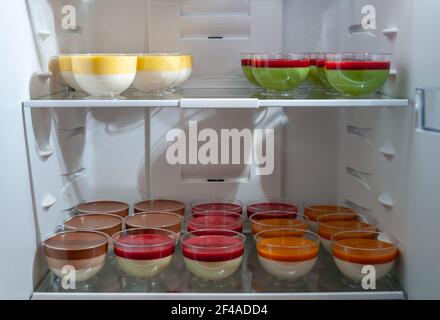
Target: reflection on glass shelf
325	278
304	96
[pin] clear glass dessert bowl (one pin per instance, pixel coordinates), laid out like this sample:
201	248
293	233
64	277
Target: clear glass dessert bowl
280	73
104	76
287	253
82	252
357	74
356	252
213	254
329	224
144	253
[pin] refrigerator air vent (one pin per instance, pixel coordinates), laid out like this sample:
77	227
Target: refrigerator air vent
215	20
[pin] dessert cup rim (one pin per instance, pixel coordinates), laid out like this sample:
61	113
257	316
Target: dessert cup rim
178	203
394	240
121	220
303	218
238	221
107	240
316	240
239	236
126	206
375	223
171	240
151	213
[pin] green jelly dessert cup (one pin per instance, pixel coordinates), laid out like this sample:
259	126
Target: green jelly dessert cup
280	79
314	76
247	71
357	82
357	74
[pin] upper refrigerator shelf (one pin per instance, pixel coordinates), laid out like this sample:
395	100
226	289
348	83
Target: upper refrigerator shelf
198	98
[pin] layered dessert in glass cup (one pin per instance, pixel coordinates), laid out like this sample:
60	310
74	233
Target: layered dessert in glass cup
155	219
246	67
287	253
280	73
167	205
103	222
277	219
357	74
216	220
107	206
158	72
330	224
66	71
353	250
186	65
213	254
144	253
104	75
316	209
85	251
270	204
217	204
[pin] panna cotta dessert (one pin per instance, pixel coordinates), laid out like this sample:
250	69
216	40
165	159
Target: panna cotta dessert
85	251
144	253
216	204
332	223
186	65
315	210
213	254
277	219
66	71
107	206
352	250
357	74
246	67
156	219
104	222
226	221
159	205
104	75
280	73
287	254
157	72
273	204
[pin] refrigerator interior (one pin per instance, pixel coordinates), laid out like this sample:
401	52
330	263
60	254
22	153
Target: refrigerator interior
377	158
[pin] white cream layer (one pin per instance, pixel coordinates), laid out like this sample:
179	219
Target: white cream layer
213	270
84	268
143	268
69	79
353	271
183	76
155	80
105	85
287	270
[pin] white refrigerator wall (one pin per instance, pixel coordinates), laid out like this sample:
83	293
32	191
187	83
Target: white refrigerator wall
346	154
18	241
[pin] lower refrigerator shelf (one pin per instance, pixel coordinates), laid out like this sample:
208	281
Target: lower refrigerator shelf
251	282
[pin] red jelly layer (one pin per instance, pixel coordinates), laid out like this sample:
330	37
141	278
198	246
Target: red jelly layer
357	65
270	206
320	63
212	248
246	62
214	222
144	246
280	63
223	213
214	206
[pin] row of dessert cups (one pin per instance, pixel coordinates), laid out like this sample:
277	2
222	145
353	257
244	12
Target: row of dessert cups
109	75
350	74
